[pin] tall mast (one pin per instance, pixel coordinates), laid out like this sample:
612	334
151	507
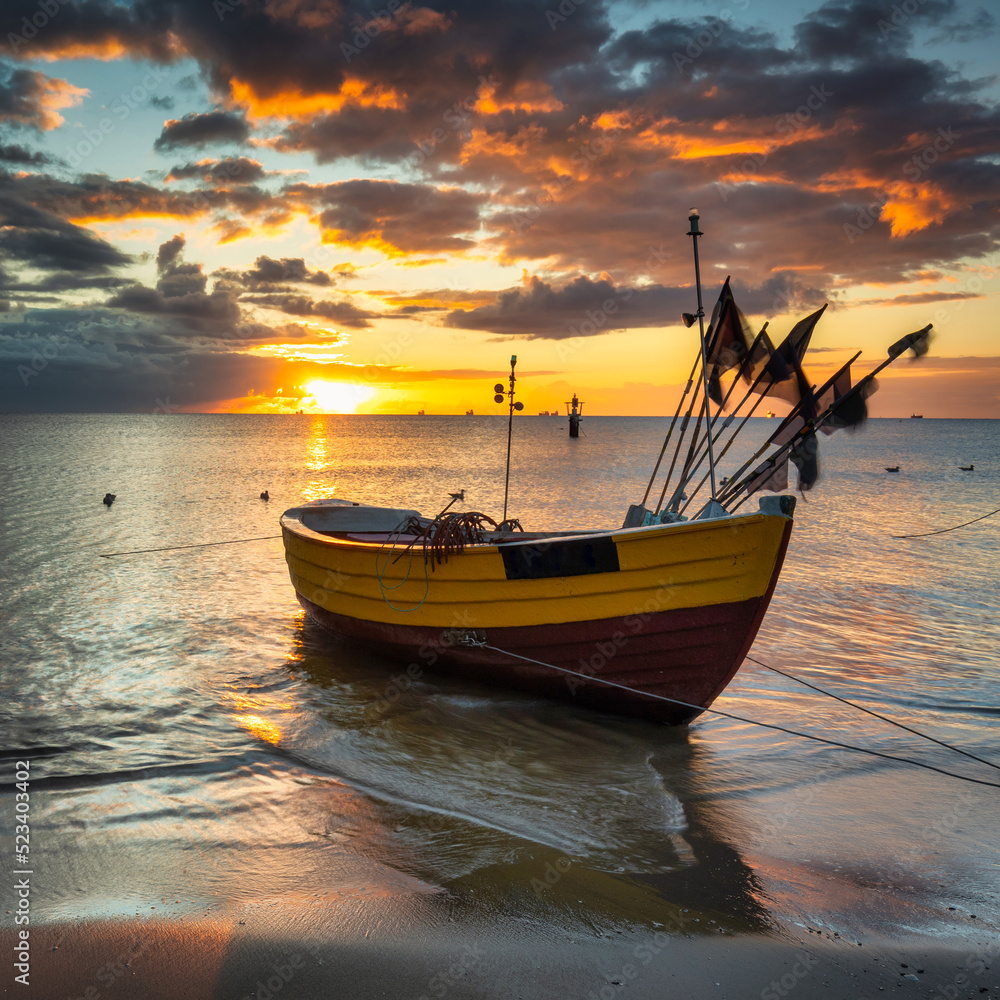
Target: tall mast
694	233
499	390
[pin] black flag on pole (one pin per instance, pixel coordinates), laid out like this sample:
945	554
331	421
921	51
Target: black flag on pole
728	340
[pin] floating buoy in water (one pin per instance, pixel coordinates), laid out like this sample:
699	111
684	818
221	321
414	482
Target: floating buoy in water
265	495
109	499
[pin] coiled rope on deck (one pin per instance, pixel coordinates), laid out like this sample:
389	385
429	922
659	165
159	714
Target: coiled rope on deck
446	535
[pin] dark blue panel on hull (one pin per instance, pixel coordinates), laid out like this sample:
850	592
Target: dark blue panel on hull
572	557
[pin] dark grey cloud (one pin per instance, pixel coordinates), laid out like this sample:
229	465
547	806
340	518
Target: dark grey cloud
267	271
201	129
169	251
584	307
344	312
31	99
41	239
13	153
408	218
577	150
214	315
982	24
230	170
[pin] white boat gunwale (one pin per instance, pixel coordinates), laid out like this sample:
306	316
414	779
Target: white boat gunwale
293	521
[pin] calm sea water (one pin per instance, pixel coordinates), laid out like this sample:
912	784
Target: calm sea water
193	739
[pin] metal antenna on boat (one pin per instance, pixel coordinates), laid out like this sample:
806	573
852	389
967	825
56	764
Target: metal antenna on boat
694	233
498	398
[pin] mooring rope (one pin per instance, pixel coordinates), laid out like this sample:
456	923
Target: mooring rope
740	718
868	711
924	534
196	545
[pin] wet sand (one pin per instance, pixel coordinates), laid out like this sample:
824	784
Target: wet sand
285	949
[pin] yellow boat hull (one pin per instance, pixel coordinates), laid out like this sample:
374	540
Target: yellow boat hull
668	610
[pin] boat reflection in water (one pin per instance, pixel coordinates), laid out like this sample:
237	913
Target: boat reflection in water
517	804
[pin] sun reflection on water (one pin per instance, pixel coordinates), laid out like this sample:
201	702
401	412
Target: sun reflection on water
318	461
263	729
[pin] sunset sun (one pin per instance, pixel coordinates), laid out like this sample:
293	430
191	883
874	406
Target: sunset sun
338	397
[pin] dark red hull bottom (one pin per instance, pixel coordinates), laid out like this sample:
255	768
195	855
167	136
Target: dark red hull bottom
689	654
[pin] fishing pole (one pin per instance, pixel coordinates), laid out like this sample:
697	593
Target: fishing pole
680	441
760	399
670	430
811	426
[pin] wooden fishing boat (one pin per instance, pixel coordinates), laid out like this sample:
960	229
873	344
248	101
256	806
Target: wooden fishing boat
668	609
652	619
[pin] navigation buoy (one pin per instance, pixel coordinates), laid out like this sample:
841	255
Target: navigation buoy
574	410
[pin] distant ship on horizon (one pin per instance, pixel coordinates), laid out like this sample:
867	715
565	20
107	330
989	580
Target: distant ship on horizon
916	416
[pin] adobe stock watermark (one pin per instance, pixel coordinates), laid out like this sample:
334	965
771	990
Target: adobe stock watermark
165	406
224	7
586	153
644	954
707	37
372	28
562	13
607	649
971	287
786	124
976	963
52	346
913	169
604	314
110	972
281	973
900	14
455	116
441	982
783	986
30	26
430	653
122	106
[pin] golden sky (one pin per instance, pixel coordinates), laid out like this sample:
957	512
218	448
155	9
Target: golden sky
274	205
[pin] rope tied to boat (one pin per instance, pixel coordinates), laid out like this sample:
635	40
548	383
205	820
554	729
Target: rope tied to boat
954	527
757	722
445	536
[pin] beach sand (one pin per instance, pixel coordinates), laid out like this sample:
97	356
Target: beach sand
284	950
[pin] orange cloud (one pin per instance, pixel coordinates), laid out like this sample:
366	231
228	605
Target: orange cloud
527	95
296	104
105	50
912	207
49	95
